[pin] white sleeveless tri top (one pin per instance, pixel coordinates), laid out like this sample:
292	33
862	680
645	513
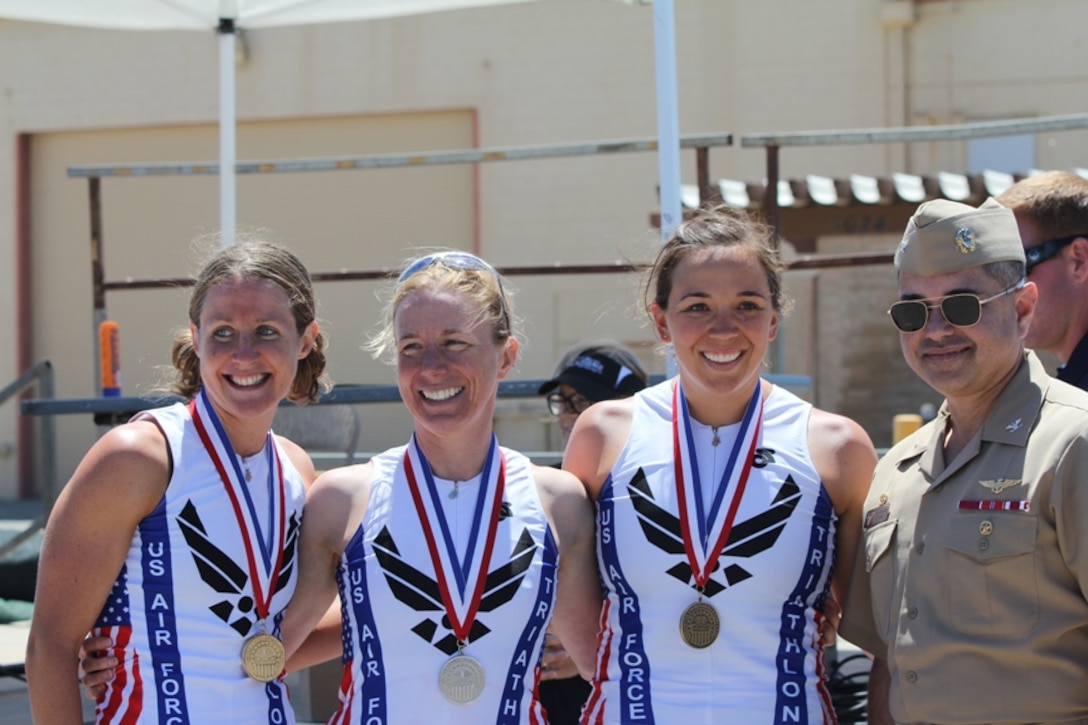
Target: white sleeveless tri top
768	587
396	634
183	605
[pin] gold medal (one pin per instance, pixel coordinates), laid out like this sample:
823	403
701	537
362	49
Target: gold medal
461	679
263	657
699	625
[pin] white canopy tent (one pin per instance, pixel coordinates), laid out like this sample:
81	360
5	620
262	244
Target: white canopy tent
224	16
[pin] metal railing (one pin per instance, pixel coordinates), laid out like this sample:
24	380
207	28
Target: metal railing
41	374
111	411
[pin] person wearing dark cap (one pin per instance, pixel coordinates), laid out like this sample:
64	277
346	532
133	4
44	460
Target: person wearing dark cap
585	375
969	586
590	374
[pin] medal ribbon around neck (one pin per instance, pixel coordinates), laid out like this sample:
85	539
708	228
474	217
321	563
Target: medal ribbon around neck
220	449
688	489
471	573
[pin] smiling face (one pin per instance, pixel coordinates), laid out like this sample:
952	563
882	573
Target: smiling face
249	348
719	319
967	363
448	363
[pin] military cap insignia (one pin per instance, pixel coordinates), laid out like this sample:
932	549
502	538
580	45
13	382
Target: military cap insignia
965	240
900	250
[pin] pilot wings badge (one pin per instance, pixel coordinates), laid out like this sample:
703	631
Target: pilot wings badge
997	485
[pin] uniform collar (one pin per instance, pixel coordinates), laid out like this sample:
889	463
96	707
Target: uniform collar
1009	423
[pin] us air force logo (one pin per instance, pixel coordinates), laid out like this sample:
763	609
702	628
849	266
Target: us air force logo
747	538
224	576
420	592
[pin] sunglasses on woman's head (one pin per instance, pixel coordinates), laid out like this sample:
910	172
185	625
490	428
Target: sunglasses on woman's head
457	260
959	310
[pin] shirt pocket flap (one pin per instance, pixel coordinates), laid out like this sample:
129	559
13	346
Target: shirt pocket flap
992	536
878	540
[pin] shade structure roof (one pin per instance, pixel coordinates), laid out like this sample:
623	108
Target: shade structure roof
814	190
206	14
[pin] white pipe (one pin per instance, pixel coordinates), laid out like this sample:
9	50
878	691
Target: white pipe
668	116
668	130
227	152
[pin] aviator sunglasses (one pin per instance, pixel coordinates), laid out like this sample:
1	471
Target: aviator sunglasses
458	260
960	310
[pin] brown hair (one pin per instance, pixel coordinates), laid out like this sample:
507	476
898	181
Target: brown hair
1056	202
254	260
710	227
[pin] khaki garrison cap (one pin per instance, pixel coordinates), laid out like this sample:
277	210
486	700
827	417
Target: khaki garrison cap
945	236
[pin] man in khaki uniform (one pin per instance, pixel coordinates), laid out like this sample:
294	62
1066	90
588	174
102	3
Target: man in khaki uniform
969	588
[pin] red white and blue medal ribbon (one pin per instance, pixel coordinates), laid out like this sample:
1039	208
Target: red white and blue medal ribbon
705	532
219	449
470	572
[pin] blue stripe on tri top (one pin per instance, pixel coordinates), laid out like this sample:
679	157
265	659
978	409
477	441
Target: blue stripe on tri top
526	654
161	614
635	696
791	705
373	686
277	704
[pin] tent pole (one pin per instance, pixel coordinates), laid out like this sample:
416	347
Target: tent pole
668	117
227	151
668	129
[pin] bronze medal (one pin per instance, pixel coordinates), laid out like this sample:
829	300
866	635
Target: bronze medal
461	679
706	525
699	625
263	657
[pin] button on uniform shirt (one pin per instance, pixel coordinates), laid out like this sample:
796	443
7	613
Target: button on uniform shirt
971	575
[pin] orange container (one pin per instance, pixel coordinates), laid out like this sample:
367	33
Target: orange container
109	358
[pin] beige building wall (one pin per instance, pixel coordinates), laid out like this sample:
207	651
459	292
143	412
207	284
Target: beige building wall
553	71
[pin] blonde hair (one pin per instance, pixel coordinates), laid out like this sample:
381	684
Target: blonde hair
483	285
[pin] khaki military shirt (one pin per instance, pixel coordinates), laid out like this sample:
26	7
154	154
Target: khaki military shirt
971	577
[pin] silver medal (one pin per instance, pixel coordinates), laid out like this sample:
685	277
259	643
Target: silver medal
461	679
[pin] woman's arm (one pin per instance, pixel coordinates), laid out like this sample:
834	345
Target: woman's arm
845	458
324	642
335	507
300	460
576	619
118	483
596	442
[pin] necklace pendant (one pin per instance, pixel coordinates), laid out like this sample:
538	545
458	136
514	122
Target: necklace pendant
717	438
249	475
455	491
